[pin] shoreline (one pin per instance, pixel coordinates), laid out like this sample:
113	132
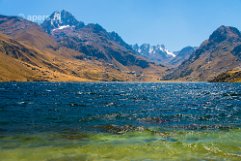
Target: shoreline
113	82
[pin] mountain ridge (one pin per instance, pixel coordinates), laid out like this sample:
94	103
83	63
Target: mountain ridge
59	60
159	54
94	41
156	53
213	57
64	46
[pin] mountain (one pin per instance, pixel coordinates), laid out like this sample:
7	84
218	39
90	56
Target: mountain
217	55
61	20
65	49
182	56
26	31
159	54
92	40
155	53
30	53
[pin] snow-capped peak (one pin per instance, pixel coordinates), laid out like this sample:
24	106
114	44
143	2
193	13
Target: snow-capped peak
60	20
56	19
147	49
57	16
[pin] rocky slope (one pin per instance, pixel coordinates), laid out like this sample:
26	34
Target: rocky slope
217	55
182	56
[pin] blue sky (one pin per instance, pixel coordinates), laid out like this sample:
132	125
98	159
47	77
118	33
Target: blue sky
175	23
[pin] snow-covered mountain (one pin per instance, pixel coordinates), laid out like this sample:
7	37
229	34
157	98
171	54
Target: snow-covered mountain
93	41
155	53
74	34
60	20
160	54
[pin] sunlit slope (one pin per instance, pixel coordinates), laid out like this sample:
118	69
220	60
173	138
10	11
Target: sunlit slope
230	76
24	63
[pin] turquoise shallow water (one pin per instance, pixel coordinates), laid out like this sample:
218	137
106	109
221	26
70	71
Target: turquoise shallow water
120	121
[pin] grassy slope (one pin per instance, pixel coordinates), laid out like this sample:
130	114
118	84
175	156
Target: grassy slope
230	76
22	62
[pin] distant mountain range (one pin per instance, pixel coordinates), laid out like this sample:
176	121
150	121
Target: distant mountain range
160	54
65	49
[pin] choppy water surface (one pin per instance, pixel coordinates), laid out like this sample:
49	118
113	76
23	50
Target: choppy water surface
120	121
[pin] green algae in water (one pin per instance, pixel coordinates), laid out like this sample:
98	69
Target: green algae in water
179	145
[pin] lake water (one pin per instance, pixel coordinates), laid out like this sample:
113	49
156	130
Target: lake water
120	121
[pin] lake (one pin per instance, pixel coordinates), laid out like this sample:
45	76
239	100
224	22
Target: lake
120	121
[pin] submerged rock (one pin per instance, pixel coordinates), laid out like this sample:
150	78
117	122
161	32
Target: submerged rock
115	129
